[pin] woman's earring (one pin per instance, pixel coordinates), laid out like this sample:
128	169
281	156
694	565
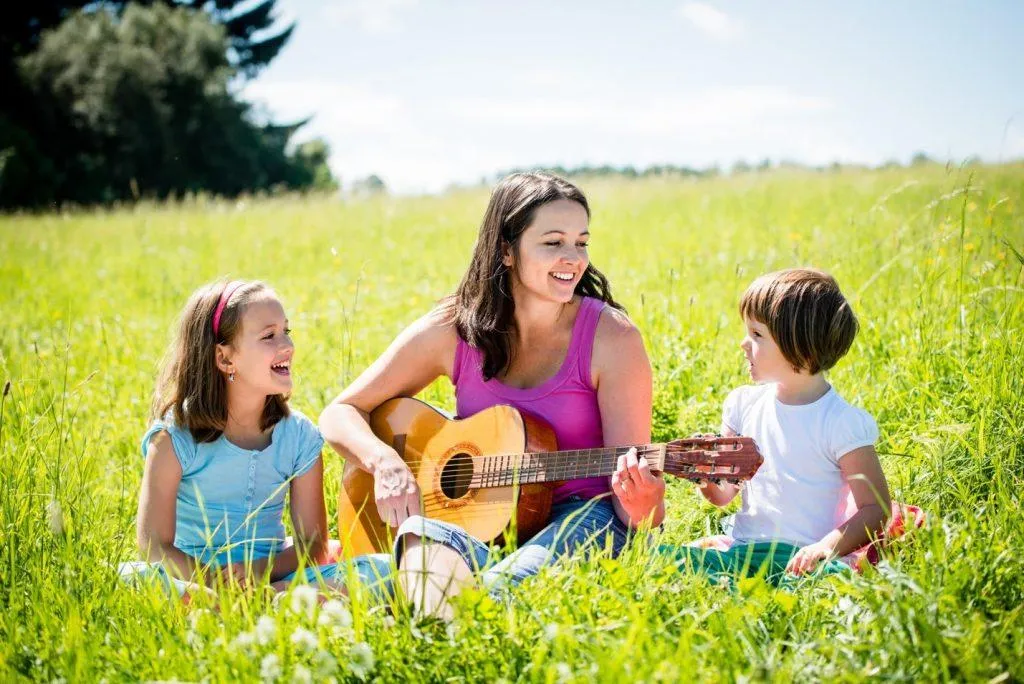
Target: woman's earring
231	376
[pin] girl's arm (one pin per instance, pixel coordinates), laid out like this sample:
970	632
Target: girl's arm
421	353
863	473
720	494
158	507
622	376
309	520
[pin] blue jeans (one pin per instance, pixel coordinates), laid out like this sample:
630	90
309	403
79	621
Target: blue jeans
576	524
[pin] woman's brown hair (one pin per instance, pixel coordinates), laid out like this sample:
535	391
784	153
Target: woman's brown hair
482	306
191	389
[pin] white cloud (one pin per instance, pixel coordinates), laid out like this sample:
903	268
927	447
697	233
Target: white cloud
425	144
375	17
711	21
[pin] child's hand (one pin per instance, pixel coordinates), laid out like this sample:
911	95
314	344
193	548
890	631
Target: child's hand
234	573
807	558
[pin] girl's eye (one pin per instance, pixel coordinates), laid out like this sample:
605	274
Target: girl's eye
584	245
757	334
287	331
553	244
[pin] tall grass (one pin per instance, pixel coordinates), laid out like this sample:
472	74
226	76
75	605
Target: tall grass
930	257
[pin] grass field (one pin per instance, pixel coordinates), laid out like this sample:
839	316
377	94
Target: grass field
930	257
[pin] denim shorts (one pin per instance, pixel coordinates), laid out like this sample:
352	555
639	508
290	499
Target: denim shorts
576	524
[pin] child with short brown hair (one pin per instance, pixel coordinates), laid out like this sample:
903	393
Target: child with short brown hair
817	448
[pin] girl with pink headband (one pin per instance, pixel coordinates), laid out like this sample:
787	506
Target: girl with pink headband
224	449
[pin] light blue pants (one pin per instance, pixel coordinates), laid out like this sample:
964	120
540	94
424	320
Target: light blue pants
373	570
576	525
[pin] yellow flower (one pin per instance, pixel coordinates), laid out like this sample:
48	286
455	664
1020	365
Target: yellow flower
971	206
1001	256
795	237
969	247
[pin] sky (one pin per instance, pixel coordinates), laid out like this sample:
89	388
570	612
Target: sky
430	93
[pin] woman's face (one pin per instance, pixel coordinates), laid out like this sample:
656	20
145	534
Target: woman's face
552	253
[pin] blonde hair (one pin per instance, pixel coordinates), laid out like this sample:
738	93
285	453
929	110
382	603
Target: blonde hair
191	387
807	315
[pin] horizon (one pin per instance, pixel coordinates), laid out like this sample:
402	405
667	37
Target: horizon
428	95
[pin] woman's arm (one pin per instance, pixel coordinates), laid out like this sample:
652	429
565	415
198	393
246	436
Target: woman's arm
863	473
421	353
622	374
155	525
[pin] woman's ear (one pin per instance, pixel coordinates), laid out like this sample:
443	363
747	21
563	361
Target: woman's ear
506	255
223	358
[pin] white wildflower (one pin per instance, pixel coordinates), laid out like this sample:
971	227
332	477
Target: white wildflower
335	614
303	639
324	664
55	517
270	667
360	660
197	616
265	629
301	675
244	642
304	600
551	631
193	639
564	672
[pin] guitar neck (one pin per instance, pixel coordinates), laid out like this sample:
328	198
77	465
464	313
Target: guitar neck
505	470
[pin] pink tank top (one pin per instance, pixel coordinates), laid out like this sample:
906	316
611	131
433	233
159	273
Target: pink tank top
567	401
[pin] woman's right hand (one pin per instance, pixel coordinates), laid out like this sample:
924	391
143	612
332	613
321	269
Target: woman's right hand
395	490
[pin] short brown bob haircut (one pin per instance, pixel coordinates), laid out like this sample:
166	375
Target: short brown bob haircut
806	314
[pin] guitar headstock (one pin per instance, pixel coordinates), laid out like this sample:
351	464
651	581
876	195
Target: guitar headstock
711	457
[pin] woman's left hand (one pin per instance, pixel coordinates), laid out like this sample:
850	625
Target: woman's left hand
807	558
637	488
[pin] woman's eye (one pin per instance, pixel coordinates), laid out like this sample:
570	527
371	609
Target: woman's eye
287	331
553	244
584	245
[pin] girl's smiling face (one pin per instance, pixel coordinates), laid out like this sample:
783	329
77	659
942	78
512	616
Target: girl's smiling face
551	255
261	353
765	361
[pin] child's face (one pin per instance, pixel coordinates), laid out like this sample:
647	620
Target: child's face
765	361
552	251
261	354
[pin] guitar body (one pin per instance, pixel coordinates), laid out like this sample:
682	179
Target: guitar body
444	455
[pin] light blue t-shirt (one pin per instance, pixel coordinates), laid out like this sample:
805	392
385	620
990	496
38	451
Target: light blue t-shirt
231	500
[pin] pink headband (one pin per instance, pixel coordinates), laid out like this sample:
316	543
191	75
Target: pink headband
225	296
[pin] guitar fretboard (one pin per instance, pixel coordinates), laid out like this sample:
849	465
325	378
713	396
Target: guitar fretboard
506	470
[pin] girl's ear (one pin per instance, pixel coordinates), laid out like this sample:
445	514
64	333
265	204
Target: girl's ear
223	357
506	254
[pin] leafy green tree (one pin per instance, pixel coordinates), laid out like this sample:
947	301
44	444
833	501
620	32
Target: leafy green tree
139	104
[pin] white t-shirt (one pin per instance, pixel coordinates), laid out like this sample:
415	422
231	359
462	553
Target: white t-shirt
797	493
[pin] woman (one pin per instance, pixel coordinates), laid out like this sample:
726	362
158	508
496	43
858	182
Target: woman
532	324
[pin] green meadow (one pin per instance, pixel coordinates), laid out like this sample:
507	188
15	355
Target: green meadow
931	258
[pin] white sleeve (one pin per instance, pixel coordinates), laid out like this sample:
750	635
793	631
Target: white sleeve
732	411
853	428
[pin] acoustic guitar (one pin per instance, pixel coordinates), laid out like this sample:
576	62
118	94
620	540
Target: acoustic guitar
499	467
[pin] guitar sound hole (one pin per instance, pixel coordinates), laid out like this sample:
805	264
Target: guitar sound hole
456	476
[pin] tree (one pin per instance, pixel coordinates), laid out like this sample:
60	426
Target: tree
139	104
